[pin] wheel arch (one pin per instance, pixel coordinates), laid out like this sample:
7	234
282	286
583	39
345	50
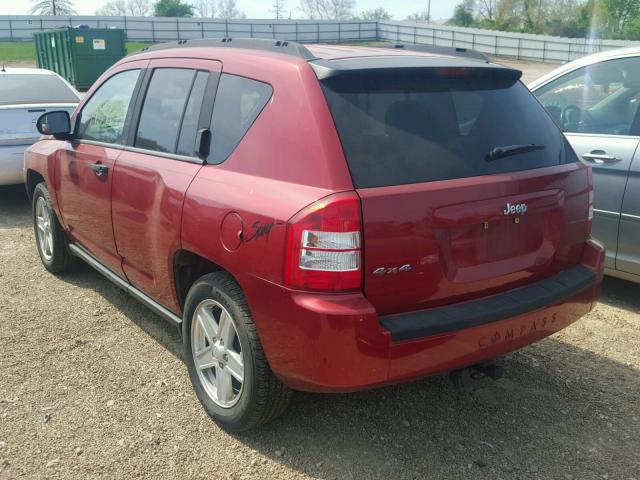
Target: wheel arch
188	267
33	178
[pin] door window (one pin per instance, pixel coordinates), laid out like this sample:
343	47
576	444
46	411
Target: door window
602	98
189	128
103	117
163	109
238	103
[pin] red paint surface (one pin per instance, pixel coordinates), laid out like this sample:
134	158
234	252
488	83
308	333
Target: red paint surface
150	207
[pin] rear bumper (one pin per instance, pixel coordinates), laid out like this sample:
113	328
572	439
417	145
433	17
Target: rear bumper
12	164
330	343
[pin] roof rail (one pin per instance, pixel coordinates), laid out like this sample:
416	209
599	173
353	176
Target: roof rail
278	46
452	51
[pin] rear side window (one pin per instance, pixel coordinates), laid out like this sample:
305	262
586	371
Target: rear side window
437	124
163	107
238	103
21	88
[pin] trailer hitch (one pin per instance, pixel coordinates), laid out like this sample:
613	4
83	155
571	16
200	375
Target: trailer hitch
464	378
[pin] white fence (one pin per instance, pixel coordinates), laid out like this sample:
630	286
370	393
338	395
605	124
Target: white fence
519	45
159	29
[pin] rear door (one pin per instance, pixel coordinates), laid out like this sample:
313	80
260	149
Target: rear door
597	108
155	170
445	220
86	165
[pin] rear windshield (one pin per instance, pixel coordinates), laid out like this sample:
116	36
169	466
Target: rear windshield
17	88
438	124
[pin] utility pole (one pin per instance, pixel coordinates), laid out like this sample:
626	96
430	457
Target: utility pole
429	11
278	9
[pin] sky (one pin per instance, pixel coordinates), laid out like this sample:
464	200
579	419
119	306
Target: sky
262	8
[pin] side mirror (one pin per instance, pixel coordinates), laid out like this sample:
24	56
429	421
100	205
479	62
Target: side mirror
56	123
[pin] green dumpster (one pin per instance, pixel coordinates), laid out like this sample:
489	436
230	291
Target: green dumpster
79	54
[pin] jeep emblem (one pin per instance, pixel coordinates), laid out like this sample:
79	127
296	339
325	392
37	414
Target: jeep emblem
519	209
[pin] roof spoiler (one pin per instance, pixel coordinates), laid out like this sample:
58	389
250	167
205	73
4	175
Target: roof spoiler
277	46
451	51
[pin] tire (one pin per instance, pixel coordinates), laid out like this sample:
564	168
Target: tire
51	240
235	406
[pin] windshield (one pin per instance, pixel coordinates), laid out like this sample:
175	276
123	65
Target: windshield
24	88
438	124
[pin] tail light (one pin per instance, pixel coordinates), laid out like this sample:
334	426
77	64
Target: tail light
590	214
324	245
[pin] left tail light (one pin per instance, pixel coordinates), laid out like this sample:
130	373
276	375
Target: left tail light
324	245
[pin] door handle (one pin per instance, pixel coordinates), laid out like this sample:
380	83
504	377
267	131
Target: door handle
99	169
599	157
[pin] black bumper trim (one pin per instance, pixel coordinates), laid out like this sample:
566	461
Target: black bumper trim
425	323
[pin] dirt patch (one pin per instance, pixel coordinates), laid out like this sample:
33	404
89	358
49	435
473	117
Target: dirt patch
92	385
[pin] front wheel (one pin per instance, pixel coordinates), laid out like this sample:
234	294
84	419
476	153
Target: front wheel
226	363
50	238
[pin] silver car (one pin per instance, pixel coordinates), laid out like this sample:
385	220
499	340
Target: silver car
595	101
25	94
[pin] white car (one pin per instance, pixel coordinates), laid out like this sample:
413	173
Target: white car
596	102
25	94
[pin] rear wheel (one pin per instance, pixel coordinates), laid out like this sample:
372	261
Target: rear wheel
50	238
226	363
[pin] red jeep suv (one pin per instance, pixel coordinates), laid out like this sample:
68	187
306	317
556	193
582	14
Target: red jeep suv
321	218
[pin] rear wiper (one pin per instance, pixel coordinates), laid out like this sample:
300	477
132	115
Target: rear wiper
509	150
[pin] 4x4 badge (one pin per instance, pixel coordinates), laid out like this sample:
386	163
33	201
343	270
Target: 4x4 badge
388	270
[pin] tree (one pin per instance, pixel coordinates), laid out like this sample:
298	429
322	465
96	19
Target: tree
375	14
278	9
463	14
327	9
139	8
419	17
618	14
53	7
205	8
114	8
227	9
120	8
172	8
487	9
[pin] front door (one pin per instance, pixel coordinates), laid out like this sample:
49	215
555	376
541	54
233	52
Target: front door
87	164
610	158
153	173
628	259
597	108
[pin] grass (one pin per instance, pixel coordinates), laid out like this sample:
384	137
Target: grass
26	52
17	51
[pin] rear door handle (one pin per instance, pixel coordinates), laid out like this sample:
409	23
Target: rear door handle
599	157
99	169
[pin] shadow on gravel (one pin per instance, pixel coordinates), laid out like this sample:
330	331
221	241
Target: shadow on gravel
15	210
560	413
159	329
621	293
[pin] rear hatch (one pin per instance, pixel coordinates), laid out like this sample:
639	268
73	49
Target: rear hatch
467	186
18	123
